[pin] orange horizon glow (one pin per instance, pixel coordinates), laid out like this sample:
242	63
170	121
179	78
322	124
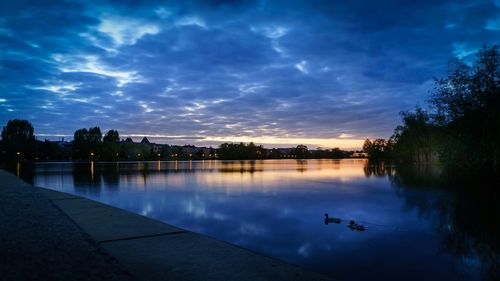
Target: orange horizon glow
312	143
264	176
266	141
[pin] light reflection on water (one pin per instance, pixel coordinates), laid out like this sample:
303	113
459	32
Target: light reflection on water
276	207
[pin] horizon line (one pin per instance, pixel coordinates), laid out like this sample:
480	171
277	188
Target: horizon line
266	142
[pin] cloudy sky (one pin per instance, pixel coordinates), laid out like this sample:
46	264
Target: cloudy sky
280	73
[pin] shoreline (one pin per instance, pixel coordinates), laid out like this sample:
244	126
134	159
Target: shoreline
186	160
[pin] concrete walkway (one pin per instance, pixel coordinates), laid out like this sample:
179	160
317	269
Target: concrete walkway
39	242
121	245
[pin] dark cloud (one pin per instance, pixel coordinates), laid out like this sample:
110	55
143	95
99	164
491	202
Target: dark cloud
188	70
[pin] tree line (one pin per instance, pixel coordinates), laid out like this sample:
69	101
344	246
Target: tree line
242	151
460	128
19	143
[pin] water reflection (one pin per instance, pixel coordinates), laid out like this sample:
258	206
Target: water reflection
378	169
467	217
301	165
248	166
468	220
276	207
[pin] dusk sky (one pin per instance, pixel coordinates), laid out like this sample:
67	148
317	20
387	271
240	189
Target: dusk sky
279	73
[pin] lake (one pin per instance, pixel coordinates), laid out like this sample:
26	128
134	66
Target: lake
408	227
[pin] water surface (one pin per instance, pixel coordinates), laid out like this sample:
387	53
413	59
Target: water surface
414	231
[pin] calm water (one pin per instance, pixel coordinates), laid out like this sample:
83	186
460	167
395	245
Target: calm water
414	231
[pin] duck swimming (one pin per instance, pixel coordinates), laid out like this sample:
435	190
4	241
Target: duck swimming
331	220
356	226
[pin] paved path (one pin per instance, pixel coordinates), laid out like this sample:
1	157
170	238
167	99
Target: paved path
59	236
39	242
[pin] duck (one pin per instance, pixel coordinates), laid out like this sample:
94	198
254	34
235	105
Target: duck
356	226
331	220
360	227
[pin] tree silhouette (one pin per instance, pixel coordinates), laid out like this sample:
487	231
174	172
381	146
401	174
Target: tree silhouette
111	136
416	140
87	143
462	125
467	105
241	151
301	151
18	141
377	149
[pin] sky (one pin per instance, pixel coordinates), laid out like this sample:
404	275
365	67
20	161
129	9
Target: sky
279	73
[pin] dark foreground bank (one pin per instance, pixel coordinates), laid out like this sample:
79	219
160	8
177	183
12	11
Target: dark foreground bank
39	242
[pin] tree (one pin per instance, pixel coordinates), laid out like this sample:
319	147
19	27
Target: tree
301	151
378	148
87	143
367	146
467	106
416	140
110	148
18	141
95	135
336	153
81	144
240	151
468	89
111	136
462	125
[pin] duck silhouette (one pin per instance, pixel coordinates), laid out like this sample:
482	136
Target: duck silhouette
356	226
331	220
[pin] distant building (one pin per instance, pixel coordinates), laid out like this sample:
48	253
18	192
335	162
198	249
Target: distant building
189	150
156	148
359	155
286	152
129	140
62	143
208	153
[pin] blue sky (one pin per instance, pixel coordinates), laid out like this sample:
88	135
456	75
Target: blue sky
280	73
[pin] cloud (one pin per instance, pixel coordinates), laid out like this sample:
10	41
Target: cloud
322	73
92	64
301	66
461	51
272	32
191	21
125	30
493	25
